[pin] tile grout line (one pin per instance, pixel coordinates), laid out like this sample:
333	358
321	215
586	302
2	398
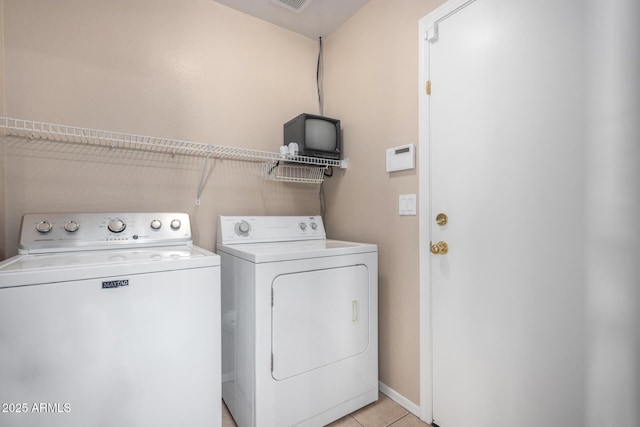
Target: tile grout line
397	419
404	416
354	419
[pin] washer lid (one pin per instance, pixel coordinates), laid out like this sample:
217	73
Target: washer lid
286	251
23	270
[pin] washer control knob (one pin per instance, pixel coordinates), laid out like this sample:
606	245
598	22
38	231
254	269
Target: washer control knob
303	226
176	224
72	226
314	226
116	225
44	226
156	224
242	228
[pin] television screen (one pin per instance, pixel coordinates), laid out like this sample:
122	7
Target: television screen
320	135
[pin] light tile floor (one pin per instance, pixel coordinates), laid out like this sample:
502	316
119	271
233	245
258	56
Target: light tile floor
385	412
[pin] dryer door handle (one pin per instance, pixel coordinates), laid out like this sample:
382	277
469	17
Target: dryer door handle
355	311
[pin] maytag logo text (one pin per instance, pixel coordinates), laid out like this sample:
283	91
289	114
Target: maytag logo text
115	283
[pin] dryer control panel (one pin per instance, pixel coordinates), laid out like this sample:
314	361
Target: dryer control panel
264	229
60	232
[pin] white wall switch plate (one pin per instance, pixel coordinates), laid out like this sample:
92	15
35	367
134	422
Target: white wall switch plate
407	204
401	158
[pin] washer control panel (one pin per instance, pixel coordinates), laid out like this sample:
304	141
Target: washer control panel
54	232
262	229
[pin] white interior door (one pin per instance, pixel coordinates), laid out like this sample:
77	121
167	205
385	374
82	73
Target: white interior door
507	168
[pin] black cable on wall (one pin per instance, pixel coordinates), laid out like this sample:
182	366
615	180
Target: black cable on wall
319	78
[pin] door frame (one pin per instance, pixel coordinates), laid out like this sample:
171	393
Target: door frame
428	31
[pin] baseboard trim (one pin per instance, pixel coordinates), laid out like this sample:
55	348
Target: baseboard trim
400	399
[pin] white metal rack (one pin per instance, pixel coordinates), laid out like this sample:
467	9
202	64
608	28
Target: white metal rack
305	169
292	173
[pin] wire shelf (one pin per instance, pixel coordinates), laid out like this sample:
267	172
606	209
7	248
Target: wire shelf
62	133
293	173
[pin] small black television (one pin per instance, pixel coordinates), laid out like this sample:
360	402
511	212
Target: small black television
316	136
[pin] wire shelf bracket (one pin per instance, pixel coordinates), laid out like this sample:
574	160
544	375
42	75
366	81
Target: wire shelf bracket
203	179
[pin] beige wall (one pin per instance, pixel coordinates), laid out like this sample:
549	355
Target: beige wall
192	70
371	83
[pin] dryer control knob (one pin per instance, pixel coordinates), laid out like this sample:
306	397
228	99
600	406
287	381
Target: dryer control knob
116	225
44	226
176	224
303	226
314	226
72	226
156	224
242	228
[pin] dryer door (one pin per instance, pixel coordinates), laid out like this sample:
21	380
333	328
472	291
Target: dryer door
318	317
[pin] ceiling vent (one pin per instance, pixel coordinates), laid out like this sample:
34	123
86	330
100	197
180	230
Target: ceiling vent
296	6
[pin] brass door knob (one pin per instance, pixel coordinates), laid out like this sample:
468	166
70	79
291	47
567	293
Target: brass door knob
440	248
442	219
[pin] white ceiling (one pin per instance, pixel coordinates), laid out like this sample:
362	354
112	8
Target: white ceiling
315	18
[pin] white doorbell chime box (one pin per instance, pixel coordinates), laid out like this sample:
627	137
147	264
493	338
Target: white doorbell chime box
401	158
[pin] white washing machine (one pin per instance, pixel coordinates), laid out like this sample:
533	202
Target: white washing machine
109	319
299	322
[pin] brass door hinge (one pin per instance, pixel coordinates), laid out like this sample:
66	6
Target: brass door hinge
428	87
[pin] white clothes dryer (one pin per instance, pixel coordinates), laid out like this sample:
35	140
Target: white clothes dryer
109	319
300	322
